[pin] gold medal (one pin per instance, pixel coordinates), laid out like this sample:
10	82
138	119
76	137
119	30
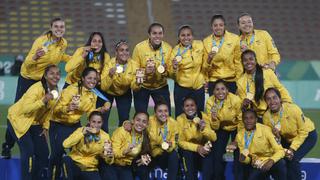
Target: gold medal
178	58
160	69
45	49
196	120
215	49
119	69
107	105
250	96
245	152
55	94
278	126
165	146
208	146
135	151
76	99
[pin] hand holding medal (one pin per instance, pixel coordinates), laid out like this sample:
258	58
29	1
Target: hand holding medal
144	160
107	149
140	76
150	68
231	147
208	146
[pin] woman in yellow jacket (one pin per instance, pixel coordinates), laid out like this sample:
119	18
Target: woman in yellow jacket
152	56
46	50
259	41
222	55
195	140
131	150
296	132
260	154
224	109
163	131
186	68
117	79
88	144
93	54
29	122
75	100
254	81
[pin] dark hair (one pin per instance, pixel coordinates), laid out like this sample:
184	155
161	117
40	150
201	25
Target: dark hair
275	90
241	15
95	113
84	73
217	16
43	79
250	110
154	25
146	148
191	97
100	53
158	102
49	33
119	43
258	78
220	81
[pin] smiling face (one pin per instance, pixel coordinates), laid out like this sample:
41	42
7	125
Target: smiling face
58	28
218	27
186	37
156	35
90	80
249	120
273	101
220	91
95	122
245	24
122	53
249	63
96	42
162	113
52	76
189	107
140	122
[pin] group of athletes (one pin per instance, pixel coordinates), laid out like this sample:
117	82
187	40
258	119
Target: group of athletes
247	104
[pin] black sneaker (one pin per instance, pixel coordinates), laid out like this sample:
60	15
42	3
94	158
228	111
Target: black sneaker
6	151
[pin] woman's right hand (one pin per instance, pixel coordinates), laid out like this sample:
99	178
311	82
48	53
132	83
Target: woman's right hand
86	51
174	64
211	56
201	151
39	53
246	103
47	97
72	106
128	150
112	71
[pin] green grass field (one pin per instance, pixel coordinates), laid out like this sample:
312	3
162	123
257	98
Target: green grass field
313	114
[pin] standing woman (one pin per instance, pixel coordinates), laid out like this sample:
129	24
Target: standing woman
131	150
259	41
46	50
254	81
76	100
163	131
195	138
88	144
93	54
260	154
225	110
29	123
296	132
117	78
152	55
186	68
222	55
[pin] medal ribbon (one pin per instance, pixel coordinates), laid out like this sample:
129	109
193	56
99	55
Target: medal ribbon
248	84
123	65
184	51
165	132
134	139
48	43
214	43
217	106
246	140
251	40
99	94
280	117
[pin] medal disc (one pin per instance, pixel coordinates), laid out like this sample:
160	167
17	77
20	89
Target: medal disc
107	105
178	58
278	126
165	146
55	94
250	96
245	152
135	151
161	69
119	69
196	120
215	49
45	49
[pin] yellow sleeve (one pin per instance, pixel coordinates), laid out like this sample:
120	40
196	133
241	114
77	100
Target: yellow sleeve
183	143
273	53
285	96
64	100
209	133
106	80
136	56
46	122
302	132
107	159
74	138
36	45
241	92
239	139
31	101
237	59
172	73
66	57
118	138
277	148
173	137
75	61
134	86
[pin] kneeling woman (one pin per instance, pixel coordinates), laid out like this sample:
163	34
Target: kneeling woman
195	137
163	131
131	150
88	145
258	146
295	131
29	123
